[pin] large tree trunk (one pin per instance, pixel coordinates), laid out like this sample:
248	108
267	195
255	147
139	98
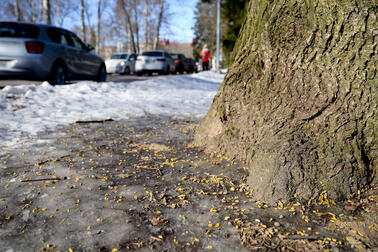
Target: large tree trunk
299	103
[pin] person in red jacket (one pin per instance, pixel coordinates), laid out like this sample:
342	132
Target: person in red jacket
205	56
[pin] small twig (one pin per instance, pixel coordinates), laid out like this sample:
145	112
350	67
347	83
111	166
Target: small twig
96	121
156	239
149	168
52	160
42	179
299	237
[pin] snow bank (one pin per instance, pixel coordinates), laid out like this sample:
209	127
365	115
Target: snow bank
32	109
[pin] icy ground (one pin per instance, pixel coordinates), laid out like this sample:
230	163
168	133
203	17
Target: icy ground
27	110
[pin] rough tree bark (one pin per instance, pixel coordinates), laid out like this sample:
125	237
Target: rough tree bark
299	103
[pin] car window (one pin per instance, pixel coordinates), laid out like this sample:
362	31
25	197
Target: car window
115	56
174	56
77	42
19	30
123	56
57	36
153	53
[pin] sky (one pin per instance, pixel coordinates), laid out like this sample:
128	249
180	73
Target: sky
182	21
32	109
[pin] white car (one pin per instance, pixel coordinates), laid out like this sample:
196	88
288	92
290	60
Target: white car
122	63
154	62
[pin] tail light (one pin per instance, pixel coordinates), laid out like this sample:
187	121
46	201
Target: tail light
34	47
139	60
177	61
162	60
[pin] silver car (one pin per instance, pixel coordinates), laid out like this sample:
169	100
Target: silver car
154	62
45	52
122	63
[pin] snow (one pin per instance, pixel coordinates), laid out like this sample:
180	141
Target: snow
28	110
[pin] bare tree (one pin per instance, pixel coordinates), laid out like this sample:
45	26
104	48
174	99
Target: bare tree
40	10
160	17
46	11
63	9
33	13
98	25
17	12
146	25
135	8
83	29
129	26
57	11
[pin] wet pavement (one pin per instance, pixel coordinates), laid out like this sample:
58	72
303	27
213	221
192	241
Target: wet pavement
140	184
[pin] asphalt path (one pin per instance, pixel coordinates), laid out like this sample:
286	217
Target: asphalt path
110	77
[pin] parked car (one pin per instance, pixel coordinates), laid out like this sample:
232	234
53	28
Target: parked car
45	52
180	62
122	63
154	62
190	66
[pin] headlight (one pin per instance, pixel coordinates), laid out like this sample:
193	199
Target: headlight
122	63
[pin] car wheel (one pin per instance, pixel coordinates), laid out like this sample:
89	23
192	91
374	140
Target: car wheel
167	71
58	74
101	76
127	71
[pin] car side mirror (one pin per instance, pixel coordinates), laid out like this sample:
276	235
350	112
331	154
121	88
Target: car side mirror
90	47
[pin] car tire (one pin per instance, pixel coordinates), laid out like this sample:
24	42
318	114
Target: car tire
167	71
126	72
101	75
58	74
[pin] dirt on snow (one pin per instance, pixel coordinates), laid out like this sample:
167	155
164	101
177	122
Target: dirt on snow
141	185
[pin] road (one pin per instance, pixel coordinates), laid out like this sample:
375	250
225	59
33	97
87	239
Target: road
112	77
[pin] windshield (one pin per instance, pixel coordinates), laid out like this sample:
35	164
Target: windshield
18	30
174	56
118	56
156	54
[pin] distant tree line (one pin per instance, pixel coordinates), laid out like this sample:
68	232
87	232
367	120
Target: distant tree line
233	13
138	22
